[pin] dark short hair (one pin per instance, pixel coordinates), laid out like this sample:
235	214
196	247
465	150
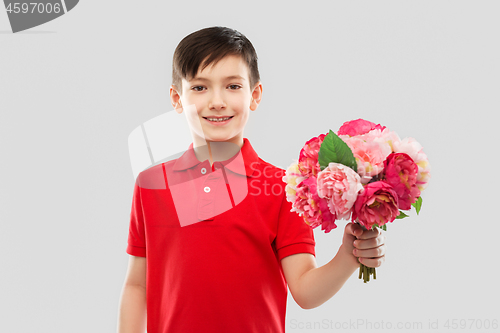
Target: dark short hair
208	46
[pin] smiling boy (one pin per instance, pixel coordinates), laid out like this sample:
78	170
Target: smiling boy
228	269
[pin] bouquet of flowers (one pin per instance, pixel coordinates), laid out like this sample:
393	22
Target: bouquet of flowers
364	173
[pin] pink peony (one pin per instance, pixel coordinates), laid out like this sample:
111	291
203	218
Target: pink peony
383	137
314	209
308	157
292	177
411	147
358	127
340	185
369	155
401	173
376	204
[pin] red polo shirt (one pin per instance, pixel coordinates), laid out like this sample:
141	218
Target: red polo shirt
213	238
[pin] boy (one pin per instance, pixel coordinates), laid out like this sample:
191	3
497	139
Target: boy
212	256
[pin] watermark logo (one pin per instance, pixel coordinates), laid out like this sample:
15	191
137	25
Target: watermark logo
24	15
205	180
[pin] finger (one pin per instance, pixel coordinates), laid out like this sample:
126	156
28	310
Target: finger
354	229
369	243
375	262
370	253
370	234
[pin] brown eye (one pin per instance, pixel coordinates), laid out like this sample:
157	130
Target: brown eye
234	86
198	88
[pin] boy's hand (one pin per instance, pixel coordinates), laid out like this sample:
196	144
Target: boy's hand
368	246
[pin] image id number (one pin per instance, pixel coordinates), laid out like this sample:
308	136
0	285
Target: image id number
35	7
471	324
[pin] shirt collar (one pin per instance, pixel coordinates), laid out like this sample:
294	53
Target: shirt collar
250	159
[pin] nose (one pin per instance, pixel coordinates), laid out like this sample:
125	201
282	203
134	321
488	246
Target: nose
216	102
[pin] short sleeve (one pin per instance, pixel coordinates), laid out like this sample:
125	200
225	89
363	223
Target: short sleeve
136	236
294	235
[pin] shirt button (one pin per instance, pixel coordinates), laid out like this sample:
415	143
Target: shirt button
206	189
203	170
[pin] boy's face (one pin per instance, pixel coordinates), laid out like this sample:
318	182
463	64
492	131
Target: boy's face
219	90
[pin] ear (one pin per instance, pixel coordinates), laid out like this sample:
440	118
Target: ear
175	99
256	96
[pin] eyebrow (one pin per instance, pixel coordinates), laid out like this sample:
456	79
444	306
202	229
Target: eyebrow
231	77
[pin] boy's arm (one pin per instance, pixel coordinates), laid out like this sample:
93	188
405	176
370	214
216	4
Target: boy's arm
311	286
132	311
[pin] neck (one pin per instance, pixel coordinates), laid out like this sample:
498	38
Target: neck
216	150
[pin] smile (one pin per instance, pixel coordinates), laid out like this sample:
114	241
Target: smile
216	120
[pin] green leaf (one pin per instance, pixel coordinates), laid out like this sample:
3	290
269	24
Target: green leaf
401	215
417	204
383	227
334	149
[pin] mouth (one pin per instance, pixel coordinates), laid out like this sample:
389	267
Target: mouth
218	120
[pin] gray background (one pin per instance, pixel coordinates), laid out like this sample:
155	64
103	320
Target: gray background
72	90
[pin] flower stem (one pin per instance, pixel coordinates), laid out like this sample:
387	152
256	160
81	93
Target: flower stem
366	272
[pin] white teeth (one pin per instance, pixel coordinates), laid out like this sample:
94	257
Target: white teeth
218	120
